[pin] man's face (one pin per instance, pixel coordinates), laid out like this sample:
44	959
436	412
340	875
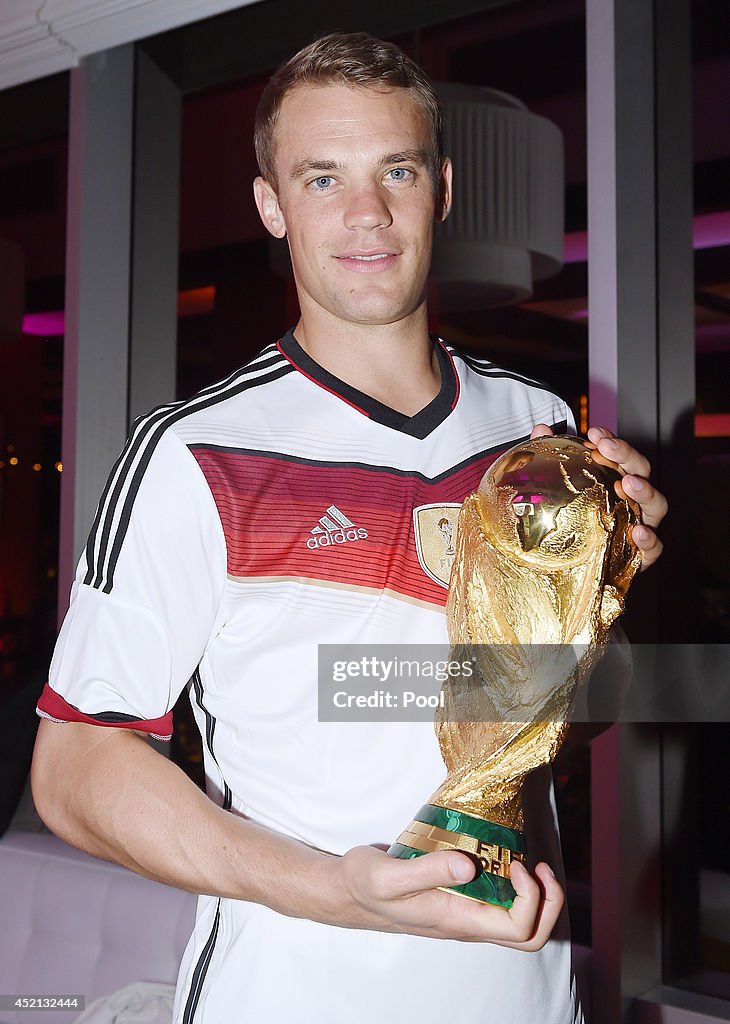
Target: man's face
356	198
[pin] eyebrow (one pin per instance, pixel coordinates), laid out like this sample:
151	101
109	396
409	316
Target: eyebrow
404	156
305	166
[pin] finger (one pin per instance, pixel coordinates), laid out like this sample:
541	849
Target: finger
648	543
620	452
652	502
448	916
551	887
541	430
485	922
527	925
536	923
553	899
595	434
523	912
400	878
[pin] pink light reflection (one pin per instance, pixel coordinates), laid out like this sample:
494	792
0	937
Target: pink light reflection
709	230
712	229
575	247
46	325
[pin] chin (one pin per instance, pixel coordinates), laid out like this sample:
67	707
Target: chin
373	317
378	311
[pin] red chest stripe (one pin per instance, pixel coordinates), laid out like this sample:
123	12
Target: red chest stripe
349	524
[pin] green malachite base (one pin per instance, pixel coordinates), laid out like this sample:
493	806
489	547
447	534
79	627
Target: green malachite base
487	887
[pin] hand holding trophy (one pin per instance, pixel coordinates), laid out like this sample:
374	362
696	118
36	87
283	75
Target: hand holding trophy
543	563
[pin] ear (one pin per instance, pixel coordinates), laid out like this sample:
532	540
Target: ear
267	203
443	201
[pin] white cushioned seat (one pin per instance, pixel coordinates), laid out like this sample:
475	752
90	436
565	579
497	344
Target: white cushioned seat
70	923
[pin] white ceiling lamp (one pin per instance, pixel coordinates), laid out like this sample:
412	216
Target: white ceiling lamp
505	229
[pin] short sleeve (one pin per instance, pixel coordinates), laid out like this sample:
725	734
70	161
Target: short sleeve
147	598
560	417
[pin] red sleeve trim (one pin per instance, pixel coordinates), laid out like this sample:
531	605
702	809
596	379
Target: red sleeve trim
52	705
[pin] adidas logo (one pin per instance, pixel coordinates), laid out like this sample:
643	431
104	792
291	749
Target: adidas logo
334	528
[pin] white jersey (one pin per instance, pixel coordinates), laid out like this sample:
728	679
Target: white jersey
272	512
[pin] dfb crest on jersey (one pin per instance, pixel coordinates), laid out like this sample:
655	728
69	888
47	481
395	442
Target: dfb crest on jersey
435	530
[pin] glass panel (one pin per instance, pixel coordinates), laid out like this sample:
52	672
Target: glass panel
33	144
698	937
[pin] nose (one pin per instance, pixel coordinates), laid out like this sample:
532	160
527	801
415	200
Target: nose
367	207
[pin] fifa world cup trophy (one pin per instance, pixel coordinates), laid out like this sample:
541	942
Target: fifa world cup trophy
543	563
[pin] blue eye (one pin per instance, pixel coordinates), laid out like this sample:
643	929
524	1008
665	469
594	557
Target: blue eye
324	181
399	174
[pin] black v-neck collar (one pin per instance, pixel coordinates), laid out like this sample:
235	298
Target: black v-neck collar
420	425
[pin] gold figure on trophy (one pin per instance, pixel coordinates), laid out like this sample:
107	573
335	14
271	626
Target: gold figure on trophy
543	563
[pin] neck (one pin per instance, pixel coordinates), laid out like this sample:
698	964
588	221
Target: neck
392	363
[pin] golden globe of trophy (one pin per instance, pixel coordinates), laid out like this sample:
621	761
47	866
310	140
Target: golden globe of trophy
542	566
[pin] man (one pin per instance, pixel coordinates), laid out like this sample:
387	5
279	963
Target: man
272	512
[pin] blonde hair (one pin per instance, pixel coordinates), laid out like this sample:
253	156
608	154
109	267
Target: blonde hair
355	59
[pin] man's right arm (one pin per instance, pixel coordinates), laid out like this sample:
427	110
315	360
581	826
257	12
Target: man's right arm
107	791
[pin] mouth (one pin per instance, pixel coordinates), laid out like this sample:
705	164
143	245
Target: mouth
367	262
369	256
